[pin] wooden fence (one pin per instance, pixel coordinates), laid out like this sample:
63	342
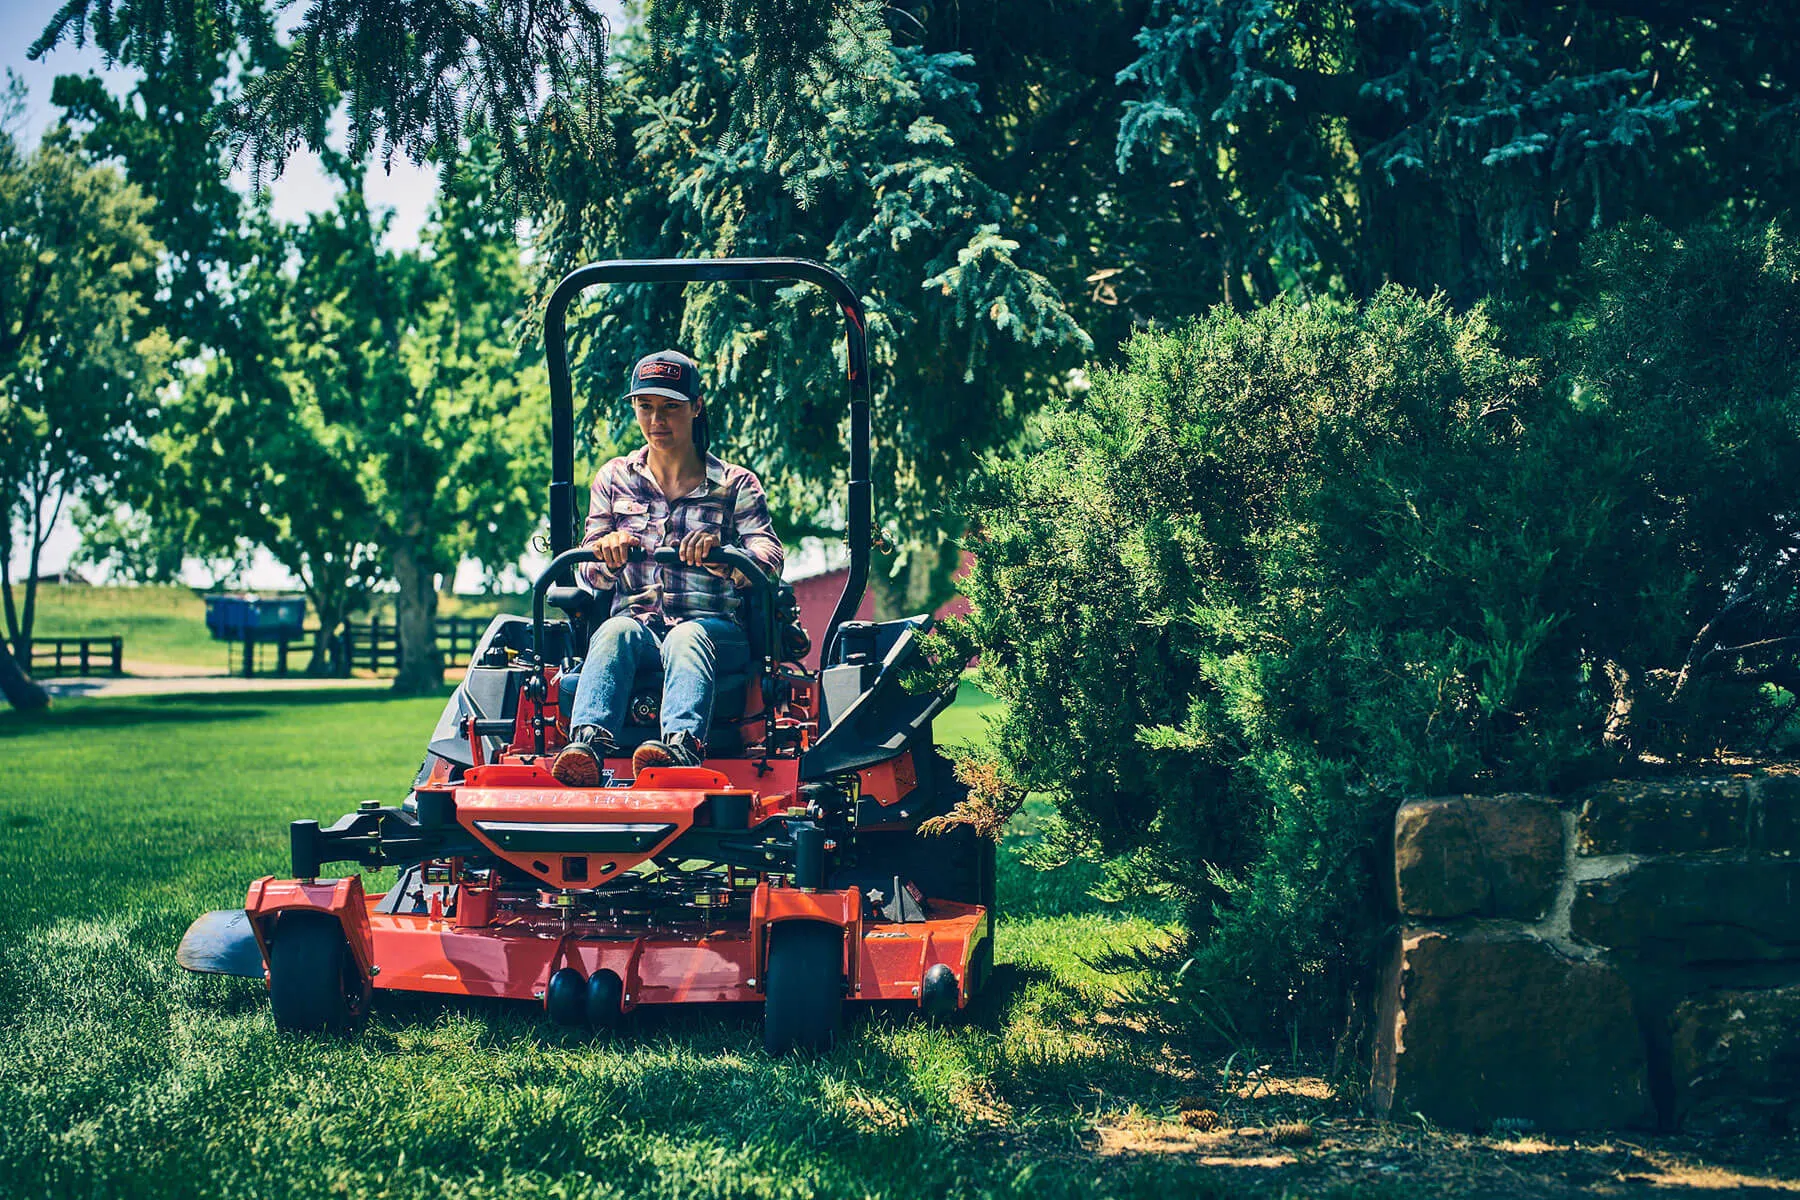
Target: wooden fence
375	645
60	655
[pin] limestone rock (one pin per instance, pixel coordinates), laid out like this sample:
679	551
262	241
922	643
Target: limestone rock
1480	1027
1684	816
1694	911
1736	1061
1491	856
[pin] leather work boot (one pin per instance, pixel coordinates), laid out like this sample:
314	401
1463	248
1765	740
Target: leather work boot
681	750
578	764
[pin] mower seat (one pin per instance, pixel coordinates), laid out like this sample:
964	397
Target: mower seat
730	692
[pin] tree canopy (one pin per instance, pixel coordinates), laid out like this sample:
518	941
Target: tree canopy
79	365
965	330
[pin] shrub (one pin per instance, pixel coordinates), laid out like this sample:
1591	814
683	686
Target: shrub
1279	570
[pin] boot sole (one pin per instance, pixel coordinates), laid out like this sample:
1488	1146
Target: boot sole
576	770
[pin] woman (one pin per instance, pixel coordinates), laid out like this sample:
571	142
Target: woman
683	619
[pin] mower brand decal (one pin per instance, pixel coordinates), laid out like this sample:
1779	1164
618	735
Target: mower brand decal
659	370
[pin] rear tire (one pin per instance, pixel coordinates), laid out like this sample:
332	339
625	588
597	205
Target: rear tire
804	989
314	982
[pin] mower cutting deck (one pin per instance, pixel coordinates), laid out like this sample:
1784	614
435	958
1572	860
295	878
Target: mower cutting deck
787	869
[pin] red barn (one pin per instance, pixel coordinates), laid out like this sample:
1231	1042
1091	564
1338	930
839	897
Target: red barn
818	595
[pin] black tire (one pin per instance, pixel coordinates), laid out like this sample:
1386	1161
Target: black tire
314	982
804	990
604	1001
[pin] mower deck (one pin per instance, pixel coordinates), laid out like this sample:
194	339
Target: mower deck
514	955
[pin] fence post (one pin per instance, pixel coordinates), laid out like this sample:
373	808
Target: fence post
249	656
85	668
118	655
59	656
375	643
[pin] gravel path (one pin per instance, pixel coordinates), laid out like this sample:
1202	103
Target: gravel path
166	683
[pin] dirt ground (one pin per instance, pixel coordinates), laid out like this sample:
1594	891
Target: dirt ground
1294	1134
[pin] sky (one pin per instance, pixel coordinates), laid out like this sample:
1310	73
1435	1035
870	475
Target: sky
301	189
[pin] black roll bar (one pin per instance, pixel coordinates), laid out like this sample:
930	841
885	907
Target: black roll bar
860	502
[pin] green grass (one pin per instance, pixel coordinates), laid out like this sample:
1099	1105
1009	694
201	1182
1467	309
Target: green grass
166	624
160	624
122	1075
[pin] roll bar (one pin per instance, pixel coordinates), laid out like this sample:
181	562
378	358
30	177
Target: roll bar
860	502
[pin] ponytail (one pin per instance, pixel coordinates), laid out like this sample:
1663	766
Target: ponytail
702	437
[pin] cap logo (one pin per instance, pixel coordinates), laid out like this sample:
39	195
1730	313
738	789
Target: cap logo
659	370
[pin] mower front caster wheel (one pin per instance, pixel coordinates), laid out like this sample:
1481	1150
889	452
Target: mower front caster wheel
804	993
314	982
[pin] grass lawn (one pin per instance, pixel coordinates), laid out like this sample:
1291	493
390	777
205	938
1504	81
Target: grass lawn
161	624
121	1075
166	625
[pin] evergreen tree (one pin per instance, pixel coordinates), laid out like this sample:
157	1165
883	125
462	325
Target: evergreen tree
1467	145
966	333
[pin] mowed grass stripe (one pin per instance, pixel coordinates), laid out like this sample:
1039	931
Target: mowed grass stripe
120	1074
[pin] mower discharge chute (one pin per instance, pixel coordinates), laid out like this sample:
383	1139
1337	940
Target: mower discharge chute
786	869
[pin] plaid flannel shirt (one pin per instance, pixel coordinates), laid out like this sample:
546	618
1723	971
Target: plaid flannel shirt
731	504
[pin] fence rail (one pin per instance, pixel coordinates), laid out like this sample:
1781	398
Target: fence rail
59	655
375	645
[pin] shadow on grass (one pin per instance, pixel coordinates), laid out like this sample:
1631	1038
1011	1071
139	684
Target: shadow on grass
187	708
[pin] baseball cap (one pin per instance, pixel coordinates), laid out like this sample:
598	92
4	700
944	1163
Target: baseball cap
666	373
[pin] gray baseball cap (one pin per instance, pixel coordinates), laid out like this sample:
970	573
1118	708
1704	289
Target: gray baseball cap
666	373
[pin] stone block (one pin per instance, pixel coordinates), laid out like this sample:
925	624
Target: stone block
1678	817
1478	1027
1491	856
1736	1061
1694	912
1776	829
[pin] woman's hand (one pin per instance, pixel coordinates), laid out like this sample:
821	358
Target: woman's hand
697	545
615	546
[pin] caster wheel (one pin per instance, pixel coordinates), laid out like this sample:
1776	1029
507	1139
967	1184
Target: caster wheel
804	992
565	997
314	982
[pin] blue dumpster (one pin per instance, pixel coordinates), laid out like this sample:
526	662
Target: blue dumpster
247	617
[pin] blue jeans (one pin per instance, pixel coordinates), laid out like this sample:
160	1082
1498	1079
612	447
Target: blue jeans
690	655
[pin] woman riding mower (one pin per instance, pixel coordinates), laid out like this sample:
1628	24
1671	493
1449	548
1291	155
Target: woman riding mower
683	619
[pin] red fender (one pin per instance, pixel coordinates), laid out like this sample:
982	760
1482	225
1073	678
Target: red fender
771	906
341	898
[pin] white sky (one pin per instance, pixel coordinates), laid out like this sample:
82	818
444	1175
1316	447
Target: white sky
301	189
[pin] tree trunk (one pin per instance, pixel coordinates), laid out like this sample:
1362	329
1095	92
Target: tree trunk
421	665
329	598
20	691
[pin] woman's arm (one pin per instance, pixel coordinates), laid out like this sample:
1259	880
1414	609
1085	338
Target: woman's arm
755	531
597	575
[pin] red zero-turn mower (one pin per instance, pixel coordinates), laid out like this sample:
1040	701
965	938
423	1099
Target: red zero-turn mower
787	869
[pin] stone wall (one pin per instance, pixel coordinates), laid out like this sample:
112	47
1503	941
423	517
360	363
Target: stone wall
1625	957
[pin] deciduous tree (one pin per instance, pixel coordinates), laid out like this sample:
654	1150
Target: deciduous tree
78	370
